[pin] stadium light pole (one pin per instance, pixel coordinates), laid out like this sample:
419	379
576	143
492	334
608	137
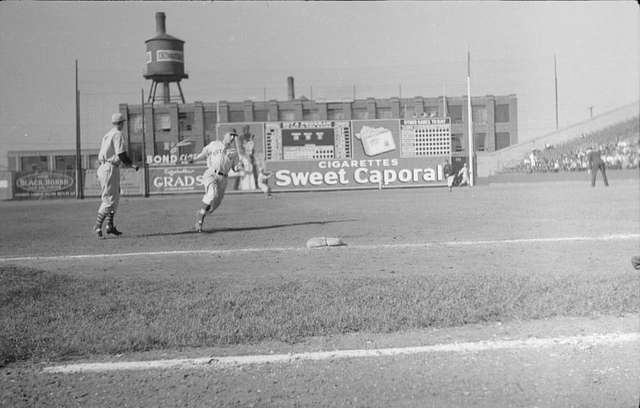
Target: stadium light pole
470	121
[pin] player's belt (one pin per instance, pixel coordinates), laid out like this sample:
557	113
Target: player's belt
221	174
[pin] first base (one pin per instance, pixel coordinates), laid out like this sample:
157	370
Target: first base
318	242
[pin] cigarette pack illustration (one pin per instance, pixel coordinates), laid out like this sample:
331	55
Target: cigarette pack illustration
376	140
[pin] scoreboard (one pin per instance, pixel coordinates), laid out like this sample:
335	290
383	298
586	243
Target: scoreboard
307	140
425	137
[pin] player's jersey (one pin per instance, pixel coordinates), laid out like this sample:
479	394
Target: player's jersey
112	145
220	159
594	157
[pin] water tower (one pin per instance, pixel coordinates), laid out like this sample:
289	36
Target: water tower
165	62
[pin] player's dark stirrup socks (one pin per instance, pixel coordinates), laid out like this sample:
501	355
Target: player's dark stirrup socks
111	229
99	221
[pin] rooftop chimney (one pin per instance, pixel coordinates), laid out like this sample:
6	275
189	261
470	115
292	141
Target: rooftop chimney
290	90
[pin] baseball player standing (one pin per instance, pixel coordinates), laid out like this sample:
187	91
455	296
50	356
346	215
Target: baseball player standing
112	154
263	180
221	158
595	163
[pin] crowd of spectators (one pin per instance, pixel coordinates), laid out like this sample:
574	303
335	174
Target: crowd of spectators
619	145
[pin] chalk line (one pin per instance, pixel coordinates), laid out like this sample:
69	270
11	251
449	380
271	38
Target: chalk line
212	362
234	251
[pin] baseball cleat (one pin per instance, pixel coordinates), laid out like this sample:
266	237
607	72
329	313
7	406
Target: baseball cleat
198	226
113	231
98	233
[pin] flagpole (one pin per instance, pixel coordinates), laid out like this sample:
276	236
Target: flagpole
470	120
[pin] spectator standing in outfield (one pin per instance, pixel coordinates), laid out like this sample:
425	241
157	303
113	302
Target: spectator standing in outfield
464	174
595	164
221	158
449	174
111	155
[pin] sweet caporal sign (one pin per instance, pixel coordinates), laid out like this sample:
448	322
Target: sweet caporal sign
394	172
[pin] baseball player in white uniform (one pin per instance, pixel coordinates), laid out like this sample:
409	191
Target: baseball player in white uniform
263	180
112	154
221	158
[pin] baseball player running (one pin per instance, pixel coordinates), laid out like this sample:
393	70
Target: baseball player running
111	155
221	158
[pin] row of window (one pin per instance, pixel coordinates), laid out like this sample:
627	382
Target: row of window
186	120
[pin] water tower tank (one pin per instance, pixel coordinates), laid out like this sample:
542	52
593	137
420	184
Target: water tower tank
165	55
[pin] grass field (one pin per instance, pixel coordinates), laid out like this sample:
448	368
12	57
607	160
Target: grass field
414	259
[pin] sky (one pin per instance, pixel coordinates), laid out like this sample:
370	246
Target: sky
236	51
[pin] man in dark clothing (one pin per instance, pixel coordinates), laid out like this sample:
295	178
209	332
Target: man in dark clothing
449	174
596	163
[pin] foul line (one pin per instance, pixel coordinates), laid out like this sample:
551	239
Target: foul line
238	361
613	237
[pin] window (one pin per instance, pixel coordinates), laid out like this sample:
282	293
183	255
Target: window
261	115
236	116
34	163
64	163
455	113
335	114
407	112
210	120
384	113
310	115
479	141
287	116
479	114
502	113
502	140
430	112
360	114
456	142
185	121
136	152
135	126
163	122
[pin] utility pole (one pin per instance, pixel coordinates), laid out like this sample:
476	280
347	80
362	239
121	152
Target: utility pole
79	189
470	121
144	147
555	77
591	112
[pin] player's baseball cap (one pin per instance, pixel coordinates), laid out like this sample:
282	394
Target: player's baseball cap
117	118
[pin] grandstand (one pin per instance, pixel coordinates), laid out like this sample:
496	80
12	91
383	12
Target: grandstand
607	129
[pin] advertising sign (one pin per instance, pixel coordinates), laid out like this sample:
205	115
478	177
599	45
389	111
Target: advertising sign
357	173
175	179
376	138
44	183
377	160
169	56
181	179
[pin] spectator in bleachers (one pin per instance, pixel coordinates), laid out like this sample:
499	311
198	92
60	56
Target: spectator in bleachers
619	146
